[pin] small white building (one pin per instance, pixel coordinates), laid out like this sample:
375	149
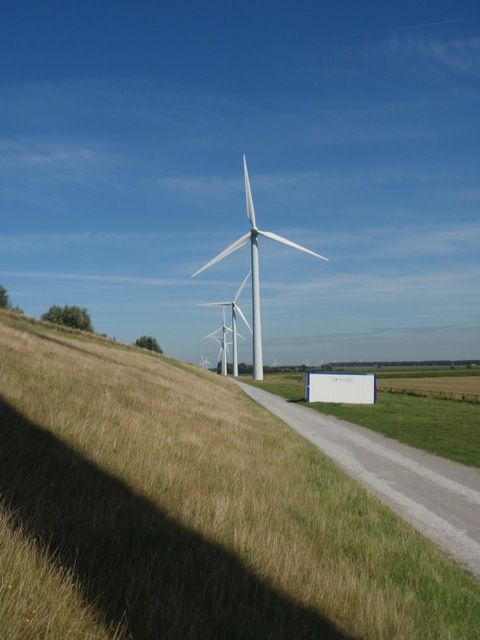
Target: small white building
347	388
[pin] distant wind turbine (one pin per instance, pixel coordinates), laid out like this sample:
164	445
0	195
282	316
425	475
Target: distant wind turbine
205	363
235	309
252	236
222	341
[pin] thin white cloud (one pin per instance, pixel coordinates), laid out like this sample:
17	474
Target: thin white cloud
204	186
35	153
364	244
414	27
310	183
385	287
457	53
110	279
178	242
401	343
394	242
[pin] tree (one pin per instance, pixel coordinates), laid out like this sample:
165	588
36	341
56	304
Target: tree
148	342
69	316
54	314
5	301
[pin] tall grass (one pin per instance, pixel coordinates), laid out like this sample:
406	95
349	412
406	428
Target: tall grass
143	501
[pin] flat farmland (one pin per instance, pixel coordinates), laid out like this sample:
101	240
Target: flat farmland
457	386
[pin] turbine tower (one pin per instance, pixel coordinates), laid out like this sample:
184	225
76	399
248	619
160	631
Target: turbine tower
252	236
235	309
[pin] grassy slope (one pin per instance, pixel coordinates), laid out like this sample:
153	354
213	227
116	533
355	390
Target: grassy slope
447	428
142	498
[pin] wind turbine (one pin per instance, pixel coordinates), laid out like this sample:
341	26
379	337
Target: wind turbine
222	342
205	363
235	309
252	236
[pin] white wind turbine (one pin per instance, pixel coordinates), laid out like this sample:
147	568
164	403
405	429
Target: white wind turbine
252	236
235	309
222	341
205	364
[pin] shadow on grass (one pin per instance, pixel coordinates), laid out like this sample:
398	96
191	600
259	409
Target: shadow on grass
133	562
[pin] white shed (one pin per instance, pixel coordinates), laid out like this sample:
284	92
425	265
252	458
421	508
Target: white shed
348	388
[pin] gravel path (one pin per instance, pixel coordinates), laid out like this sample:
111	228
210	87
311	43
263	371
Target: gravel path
438	497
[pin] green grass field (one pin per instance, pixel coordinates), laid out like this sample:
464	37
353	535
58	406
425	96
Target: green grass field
445	427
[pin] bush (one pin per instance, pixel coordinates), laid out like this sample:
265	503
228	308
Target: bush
69	316
148	342
16	309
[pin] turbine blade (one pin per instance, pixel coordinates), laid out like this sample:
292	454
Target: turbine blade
212	335
240	289
226	252
213	304
239	335
289	243
219	354
248	195
241	314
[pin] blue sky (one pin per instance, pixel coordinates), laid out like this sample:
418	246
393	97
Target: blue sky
122	127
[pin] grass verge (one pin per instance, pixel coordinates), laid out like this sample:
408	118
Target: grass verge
140	501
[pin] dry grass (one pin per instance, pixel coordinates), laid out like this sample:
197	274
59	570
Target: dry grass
159	499
461	385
